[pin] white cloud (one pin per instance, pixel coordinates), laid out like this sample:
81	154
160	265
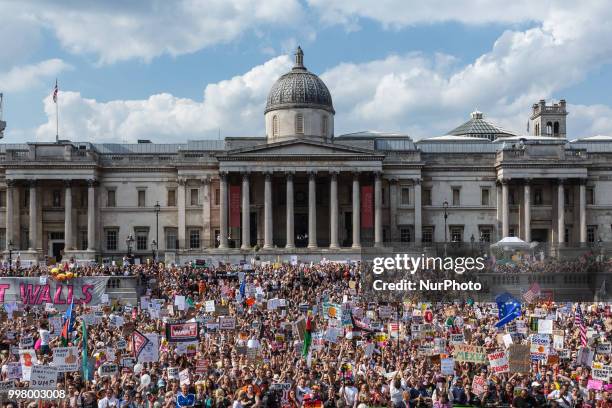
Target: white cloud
118	30
234	106
21	78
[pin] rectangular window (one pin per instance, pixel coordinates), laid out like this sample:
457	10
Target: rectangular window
426	196
171	198
57	199
82	240
537	196
141	198
456	233
142	238
2	198
299	124
194	238
566	235
405	196
194	196
171	239
485	234
112	237
590	195
591	233
456	196
405	234
2	239
111	200
428	234
484	196
217	196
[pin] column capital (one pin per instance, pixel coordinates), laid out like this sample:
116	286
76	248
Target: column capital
312	174
181	181
527	181
416	180
334	174
356	175
223	175
11	183
206	180
67	183
92	183
245	175
504	181
31	183
393	179
289	175
268	175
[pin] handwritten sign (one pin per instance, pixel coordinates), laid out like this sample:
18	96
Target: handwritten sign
499	362
43	377
470	354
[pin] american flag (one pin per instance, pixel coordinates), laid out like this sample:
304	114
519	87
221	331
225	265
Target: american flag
532	293
579	320
55	91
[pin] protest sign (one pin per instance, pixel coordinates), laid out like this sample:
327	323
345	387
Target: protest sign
29	291
457	339
447	366
227	323
545	326
558	342
519	358
178	332
108	370
150	352
184	377
173	373
27	359
43	377
479	385
13	370
603	348
539	346
499	362
65	359
595	385
470	354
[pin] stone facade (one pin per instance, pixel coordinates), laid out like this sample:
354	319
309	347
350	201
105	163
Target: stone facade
305	192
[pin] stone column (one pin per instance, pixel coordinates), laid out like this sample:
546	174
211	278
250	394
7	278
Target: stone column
583	226
33	217
500	206
223	210
333	210
312	210
91	215
356	212
246	213
290	232
527	209
505	209
68	242
378	233
10	187
393	209
268	238
182	233
206	212
561	212
418	221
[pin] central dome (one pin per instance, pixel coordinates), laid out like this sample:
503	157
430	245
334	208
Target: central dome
299	88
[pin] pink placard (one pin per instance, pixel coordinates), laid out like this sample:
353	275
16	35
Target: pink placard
595	385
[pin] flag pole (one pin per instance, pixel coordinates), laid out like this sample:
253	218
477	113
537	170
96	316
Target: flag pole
55	95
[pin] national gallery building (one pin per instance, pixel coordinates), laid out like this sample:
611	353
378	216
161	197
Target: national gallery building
301	189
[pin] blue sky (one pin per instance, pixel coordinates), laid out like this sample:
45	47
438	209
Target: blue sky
172	73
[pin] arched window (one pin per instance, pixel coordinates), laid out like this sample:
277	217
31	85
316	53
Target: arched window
274	125
556	129
324	125
537	129
299	124
549	128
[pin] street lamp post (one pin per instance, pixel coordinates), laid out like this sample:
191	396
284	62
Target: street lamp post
129	241
10	248
472	239
445	206
154	248
157	209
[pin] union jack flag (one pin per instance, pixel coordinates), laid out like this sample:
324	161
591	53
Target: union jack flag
579	320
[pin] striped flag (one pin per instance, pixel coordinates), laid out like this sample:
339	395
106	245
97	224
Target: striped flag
579	320
532	293
55	91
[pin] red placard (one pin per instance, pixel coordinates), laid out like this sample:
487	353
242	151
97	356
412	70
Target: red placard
234	200
367	207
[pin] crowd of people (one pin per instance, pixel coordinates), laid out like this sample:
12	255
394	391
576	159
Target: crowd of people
302	335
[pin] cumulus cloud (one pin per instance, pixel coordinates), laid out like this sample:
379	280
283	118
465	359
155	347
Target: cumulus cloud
144	29
233	107
24	77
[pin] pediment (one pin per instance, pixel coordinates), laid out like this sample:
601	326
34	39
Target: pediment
300	148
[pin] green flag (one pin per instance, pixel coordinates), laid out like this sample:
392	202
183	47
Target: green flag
84	362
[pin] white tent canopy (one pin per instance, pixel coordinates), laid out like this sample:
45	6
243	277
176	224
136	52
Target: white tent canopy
512	243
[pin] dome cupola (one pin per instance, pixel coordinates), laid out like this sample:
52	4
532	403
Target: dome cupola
299	105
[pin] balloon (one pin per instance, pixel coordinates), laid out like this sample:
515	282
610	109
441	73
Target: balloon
145	380
54	270
138	368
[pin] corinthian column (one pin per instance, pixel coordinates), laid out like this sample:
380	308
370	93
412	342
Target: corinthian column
68	242
91	215
333	210
312	210
268	239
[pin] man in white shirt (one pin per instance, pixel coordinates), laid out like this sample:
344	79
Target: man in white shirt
45	337
348	393
109	400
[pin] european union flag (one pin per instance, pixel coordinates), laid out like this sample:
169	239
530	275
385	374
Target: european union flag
509	308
